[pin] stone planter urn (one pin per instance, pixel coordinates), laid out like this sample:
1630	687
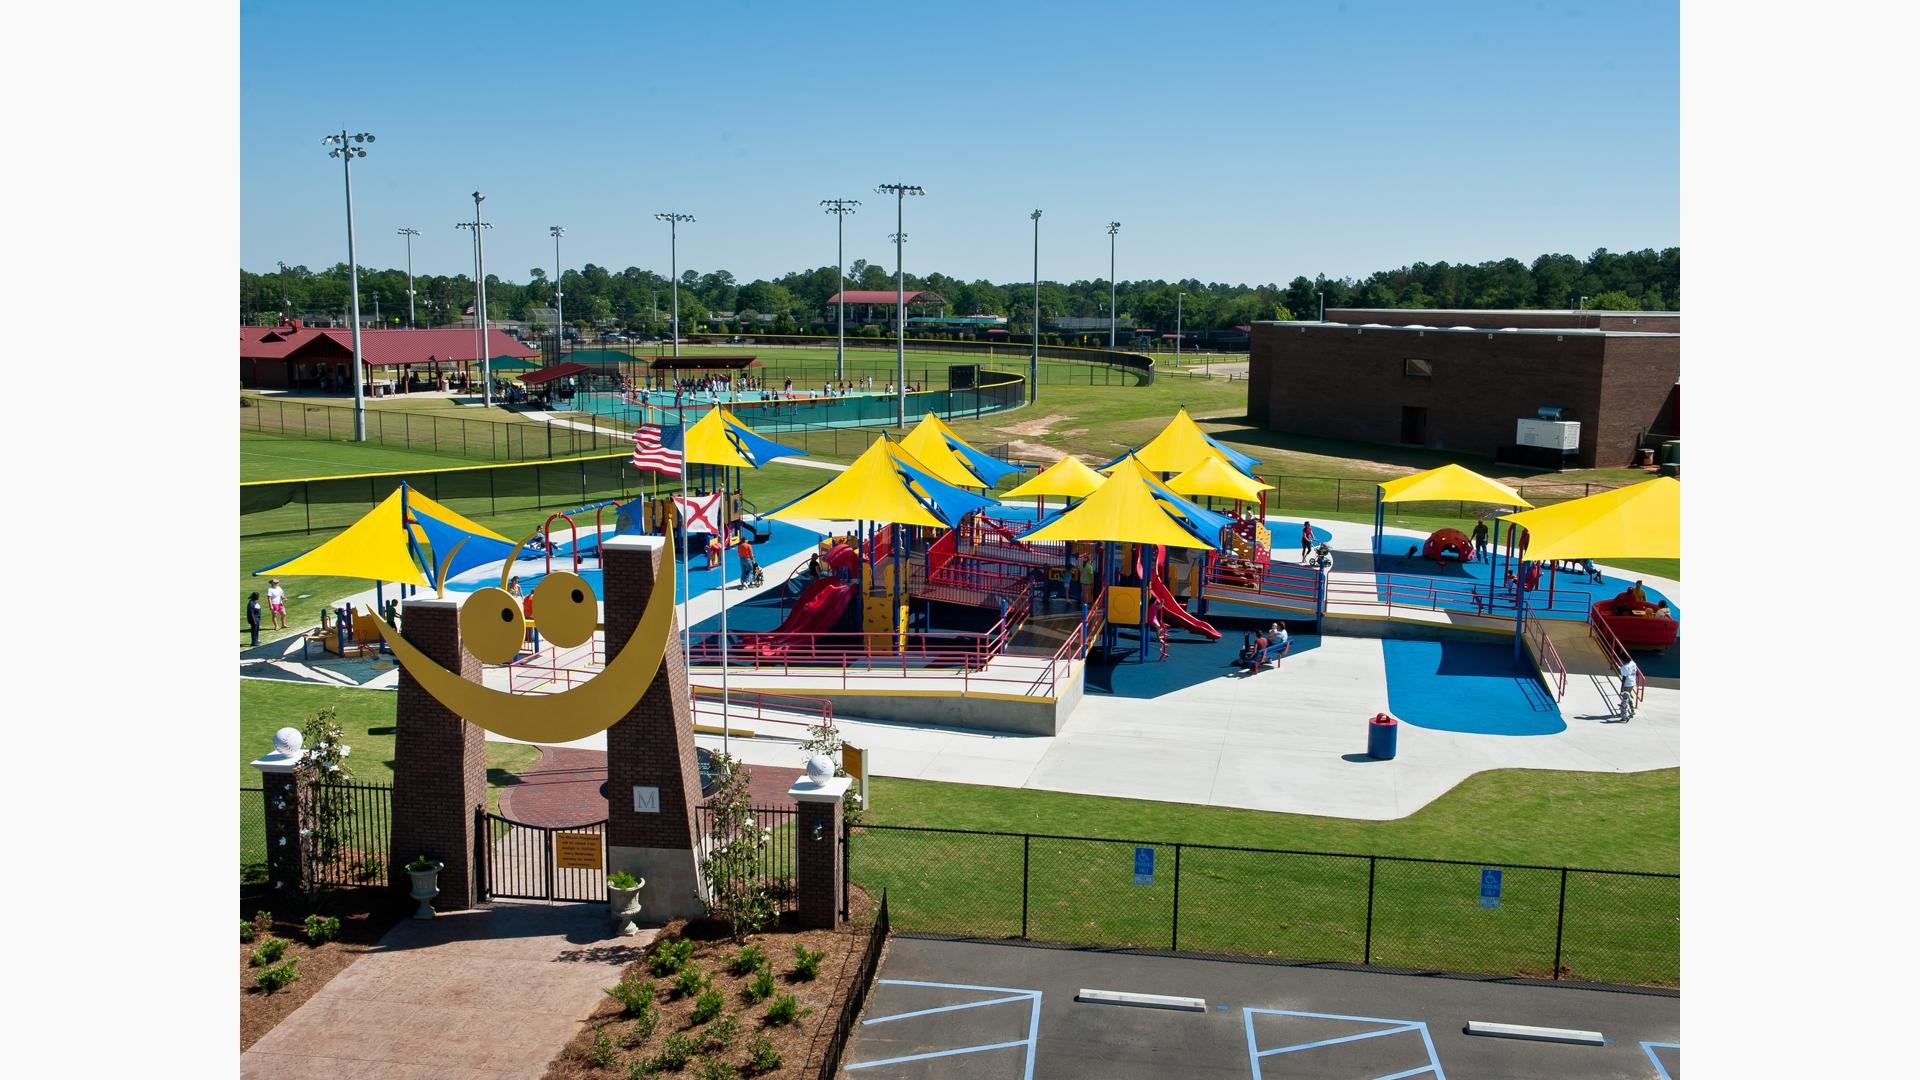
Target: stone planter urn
624	905
426	886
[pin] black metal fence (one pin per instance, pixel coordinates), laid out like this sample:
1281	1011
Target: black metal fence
856	992
1546	922
346	831
439	432
253	836
778	860
519	861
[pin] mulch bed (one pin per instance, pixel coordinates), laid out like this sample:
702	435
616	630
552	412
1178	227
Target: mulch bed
802	1045
365	914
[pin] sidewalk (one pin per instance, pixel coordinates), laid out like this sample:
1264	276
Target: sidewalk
486	994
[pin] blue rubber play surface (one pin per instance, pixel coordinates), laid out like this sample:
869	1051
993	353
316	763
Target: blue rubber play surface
784	540
1454	584
1469	687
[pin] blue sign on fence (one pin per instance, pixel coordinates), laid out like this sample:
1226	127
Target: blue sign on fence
1489	888
1143	866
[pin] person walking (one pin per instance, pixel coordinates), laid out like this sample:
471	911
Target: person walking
1086	579
1480	540
1629	684
1306	541
747	567
277	603
253	619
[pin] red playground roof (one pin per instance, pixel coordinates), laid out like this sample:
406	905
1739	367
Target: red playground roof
378	348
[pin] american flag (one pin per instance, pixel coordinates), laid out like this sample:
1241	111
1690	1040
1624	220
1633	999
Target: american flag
658	448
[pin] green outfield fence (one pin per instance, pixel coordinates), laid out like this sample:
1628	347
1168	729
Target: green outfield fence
1549	922
1139	367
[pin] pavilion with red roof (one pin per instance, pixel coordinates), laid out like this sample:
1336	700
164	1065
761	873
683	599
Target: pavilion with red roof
291	356
861	302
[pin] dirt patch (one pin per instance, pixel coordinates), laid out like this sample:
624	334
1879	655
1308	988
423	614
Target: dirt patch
365	914
1037	426
802	1045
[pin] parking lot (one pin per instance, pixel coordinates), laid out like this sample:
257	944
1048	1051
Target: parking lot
989	1011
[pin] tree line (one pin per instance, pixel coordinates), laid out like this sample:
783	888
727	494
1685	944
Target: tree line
638	300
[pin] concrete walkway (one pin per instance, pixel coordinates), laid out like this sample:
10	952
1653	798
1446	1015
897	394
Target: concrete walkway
478	995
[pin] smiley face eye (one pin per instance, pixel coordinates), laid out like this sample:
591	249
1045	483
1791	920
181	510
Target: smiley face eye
493	641
565	609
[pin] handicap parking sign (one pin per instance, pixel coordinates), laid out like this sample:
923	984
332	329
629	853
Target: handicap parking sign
1143	866
1489	888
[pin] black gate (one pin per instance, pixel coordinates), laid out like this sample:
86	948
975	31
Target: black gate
522	862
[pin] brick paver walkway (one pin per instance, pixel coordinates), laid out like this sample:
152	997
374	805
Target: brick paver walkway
473	995
564	788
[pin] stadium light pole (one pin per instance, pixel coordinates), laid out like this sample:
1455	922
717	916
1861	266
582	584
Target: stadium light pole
559	310
1179	323
1033	364
480	299
409	233
840	208
1323	306
900	193
1113	288
347	147
673	220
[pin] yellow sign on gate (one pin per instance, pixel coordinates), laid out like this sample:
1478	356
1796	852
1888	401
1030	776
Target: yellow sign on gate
576	850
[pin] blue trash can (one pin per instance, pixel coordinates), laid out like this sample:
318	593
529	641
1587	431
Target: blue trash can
1383	737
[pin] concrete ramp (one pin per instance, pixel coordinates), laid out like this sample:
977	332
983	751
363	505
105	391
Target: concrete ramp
1593	685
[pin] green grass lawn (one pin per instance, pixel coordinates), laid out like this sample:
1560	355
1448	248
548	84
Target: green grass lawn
368	719
280	457
1616	928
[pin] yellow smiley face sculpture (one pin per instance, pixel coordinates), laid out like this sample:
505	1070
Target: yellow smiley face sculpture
492	627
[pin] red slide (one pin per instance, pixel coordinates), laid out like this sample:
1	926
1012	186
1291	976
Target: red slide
1180	616
817	610
842	557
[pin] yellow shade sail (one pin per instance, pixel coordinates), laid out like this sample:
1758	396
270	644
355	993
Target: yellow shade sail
1450	483
1068	478
1125	510
870	490
375	547
1637	522
927	442
420	504
1180	446
1216	478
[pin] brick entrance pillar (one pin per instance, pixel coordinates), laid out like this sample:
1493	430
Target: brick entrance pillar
439	762
819	876
653	775
283	786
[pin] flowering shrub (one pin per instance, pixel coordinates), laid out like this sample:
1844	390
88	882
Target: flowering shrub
324	822
736	851
824	739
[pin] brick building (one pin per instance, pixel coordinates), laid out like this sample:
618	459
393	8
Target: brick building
1460	379
294	356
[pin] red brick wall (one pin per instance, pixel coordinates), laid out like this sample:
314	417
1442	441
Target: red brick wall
819	869
1349	383
439	762
653	744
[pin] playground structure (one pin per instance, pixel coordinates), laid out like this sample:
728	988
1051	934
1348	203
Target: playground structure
923	587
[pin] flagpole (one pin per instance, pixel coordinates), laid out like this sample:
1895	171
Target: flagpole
726	512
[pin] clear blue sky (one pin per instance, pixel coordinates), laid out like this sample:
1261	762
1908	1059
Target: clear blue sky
1234	142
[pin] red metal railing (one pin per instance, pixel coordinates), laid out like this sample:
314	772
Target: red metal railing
1547	656
1270	579
1616	651
762	708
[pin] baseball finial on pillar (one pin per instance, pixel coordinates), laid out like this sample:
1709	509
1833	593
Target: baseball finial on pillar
653	774
819	873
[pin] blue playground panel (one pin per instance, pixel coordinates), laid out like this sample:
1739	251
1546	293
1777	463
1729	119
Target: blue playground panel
1468	687
1390	561
784	540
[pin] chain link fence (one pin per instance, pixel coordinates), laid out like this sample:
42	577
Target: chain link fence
432	432
1132	368
1547	922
